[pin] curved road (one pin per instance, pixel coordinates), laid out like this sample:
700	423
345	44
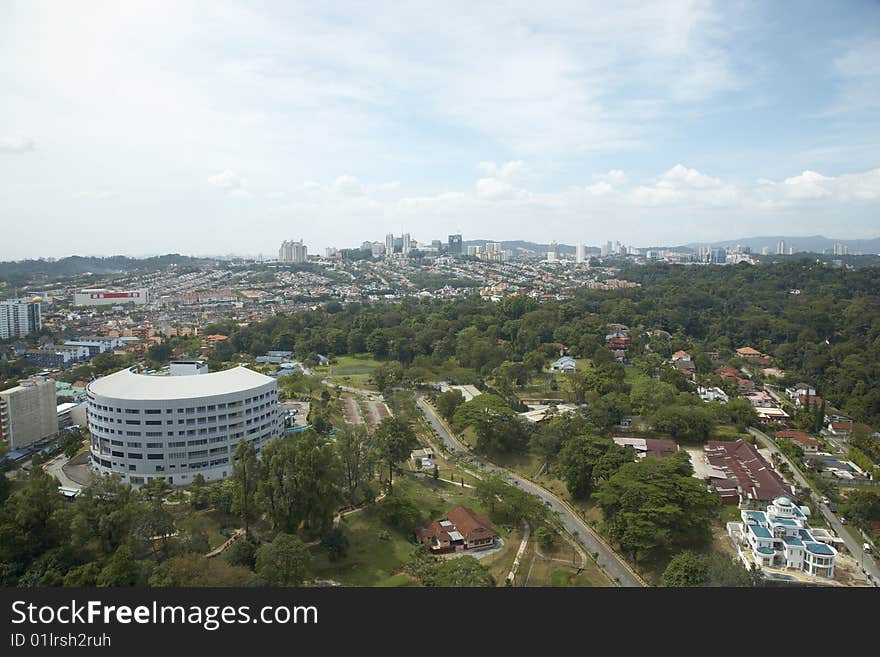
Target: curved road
607	559
852	545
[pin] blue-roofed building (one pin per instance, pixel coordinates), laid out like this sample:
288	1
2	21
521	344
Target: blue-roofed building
564	364
781	538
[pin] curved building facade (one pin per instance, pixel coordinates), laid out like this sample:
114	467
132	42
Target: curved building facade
175	427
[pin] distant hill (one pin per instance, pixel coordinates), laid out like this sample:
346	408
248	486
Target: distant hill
19	272
811	244
521	245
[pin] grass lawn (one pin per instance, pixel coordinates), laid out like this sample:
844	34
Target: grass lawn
350	370
728	432
555	567
730	514
377	552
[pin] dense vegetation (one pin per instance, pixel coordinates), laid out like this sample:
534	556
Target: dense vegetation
828	333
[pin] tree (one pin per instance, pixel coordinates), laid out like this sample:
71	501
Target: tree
318	473
245	475
357	454
500	434
394	441
587	458
104	514
121	570
448	402
241	553
545	537
655	505
686	569
283	562
688	423
461	572
335	542
400	512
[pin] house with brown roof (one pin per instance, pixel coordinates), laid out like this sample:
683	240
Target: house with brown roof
648	447
461	529
809	445
739	474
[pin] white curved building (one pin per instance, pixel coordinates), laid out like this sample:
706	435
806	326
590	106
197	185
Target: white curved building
175	427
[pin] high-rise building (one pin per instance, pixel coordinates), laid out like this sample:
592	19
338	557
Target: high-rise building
580	253
293	252
780	248
28	413
19	317
377	249
841	249
406	247
765	250
389	244
609	248
455	245
791	249
553	252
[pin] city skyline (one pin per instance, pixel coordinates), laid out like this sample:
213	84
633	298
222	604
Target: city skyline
677	122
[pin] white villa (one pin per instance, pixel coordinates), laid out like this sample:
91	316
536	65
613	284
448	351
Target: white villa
781	538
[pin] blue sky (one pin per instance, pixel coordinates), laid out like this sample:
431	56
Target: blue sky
158	127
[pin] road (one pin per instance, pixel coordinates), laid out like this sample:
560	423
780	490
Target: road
852	545
608	560
55	468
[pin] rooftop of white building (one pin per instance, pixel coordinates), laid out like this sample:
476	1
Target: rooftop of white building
127	384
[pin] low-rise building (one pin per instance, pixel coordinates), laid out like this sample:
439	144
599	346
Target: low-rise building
461	529
780	537
800	438
739	474
648	447
564	364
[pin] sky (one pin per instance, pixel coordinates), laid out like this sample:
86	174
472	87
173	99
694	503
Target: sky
227	127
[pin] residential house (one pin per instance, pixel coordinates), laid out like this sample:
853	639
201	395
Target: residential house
800	390
781	538
712	394
681	355
564	364
461	529
648	447
809	445
840	429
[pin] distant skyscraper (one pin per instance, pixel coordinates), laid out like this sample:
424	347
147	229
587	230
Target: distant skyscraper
553	252
389	244
580	253
841	249
455	245
765	250
791	250
780	248
406	247
19	317
293	252
608	249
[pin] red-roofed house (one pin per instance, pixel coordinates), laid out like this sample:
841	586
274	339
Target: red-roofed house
800	438
461	529
735	468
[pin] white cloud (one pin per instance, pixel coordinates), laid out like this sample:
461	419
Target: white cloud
230	182
16	144
94	195
680	176
614	178
348	186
